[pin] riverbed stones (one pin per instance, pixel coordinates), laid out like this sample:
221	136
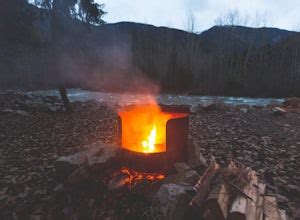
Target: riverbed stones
96	156
173	201
67	164
182	167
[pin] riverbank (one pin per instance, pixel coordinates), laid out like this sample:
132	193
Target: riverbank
32	137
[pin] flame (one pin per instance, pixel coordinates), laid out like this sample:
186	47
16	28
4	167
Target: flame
149	145
144	128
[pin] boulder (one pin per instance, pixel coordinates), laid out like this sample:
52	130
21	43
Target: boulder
187	178
96	156
172	201
80	175
100	155
64	166
182	167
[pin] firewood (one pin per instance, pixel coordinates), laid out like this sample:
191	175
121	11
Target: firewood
239	206
203	185
216	206
260	201
253	193
271	211
283	215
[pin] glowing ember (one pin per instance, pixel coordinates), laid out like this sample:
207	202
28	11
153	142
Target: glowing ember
137	177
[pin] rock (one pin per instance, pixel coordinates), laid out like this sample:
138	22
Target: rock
196	158
297	214
64	166
59	188
172	201
22	113
97	156
181	167
17	112
100	155
35	217
80	175
277	111
293	103
209	106
244	110
55	108
187	178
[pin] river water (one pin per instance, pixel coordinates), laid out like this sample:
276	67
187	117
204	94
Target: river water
127	99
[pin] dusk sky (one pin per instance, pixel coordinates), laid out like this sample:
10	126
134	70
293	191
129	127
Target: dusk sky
283	14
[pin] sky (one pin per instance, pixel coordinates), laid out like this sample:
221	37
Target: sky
283	14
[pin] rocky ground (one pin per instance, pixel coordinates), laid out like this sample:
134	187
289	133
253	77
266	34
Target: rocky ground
34	132
255	137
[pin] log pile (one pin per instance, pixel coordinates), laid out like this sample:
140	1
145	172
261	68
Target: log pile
234	193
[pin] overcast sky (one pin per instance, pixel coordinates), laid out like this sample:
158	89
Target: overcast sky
283	14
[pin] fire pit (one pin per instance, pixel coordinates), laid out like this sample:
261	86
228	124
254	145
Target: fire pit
153	137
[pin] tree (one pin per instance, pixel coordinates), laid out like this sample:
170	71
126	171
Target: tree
62	12
15	22
190	24
232	18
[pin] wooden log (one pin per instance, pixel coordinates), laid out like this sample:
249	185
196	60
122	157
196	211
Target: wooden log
271	211
283	215
203	185
260	201
253	193
239	207
217	203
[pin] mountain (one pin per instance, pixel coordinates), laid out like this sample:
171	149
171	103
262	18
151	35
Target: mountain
126	56
243	37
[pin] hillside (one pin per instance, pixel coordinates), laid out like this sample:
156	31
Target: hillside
224	60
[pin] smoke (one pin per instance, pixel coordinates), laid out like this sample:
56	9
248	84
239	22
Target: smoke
107	64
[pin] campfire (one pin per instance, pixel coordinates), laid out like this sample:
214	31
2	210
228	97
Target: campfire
153	137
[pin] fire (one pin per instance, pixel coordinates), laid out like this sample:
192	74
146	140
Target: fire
149	145
144	128
135	177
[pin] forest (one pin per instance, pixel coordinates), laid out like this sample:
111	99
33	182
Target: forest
42	51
